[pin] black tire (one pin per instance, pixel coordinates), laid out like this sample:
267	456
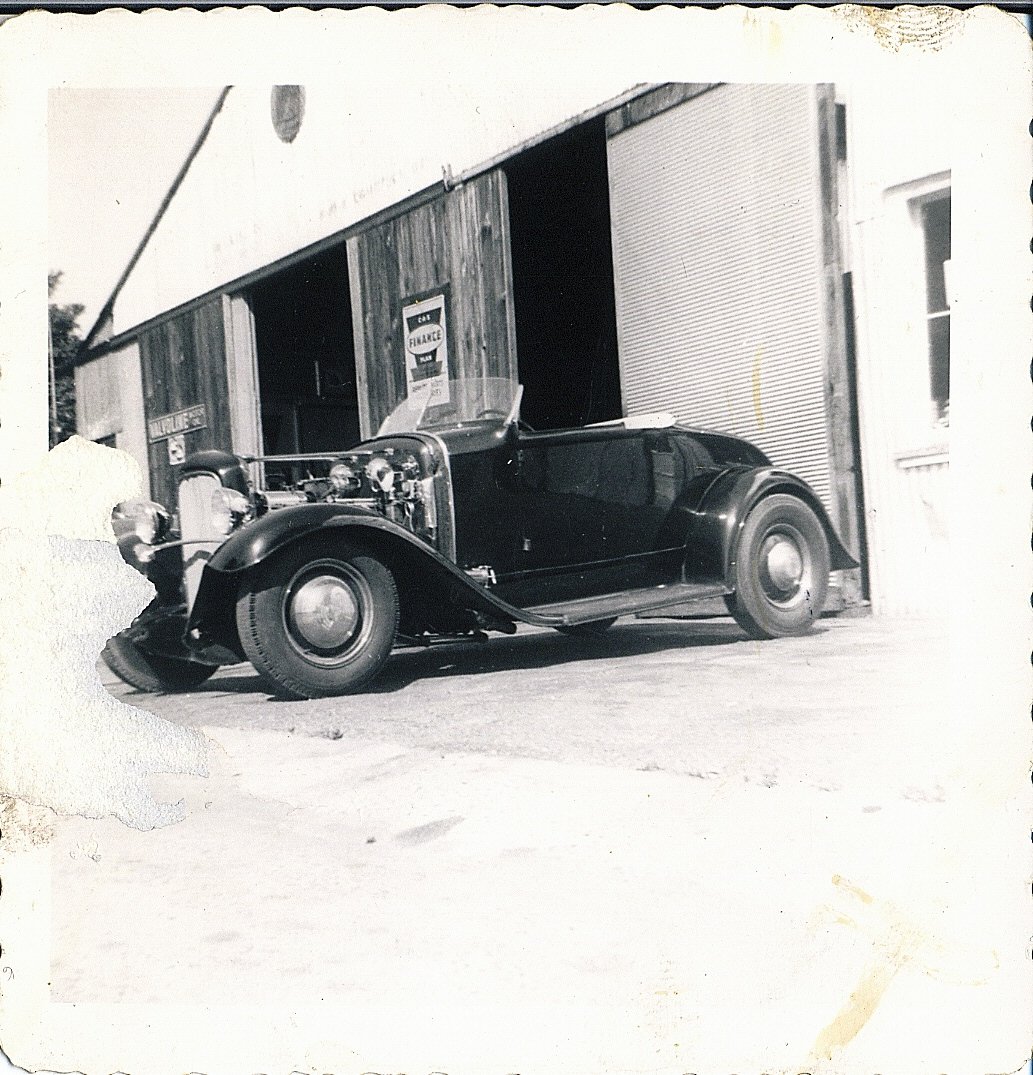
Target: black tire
146	672
318	622
595	629
782	569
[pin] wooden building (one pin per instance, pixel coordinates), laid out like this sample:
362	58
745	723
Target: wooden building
709	250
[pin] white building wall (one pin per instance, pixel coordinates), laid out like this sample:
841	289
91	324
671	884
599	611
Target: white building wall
109	402
250	199
900	146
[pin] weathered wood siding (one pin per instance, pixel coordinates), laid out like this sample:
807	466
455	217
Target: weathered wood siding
457	243
183	361
840	388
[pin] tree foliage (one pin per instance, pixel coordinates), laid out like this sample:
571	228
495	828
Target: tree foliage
64	345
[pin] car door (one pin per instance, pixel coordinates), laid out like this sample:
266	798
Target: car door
588	509
557	479
485	499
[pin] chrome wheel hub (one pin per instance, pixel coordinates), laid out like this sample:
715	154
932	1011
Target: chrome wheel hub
781	566
323	612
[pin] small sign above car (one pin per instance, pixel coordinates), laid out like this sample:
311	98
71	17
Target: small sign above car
177	446
169	425
426	346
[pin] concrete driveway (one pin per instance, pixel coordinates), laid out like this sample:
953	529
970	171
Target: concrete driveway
668	849
687	697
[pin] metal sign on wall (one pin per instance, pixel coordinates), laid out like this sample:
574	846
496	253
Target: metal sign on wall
177	446
179	422
425	335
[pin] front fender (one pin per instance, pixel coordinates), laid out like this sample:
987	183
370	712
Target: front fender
276	529
416	565
720	517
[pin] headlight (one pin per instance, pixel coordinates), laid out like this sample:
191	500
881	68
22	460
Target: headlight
151	522
344	479
229	510
380	472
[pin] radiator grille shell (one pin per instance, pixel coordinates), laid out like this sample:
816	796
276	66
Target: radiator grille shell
200	538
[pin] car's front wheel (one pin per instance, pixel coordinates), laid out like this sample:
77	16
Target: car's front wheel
318	622
782	569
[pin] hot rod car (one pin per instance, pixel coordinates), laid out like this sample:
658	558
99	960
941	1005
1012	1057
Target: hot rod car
454	520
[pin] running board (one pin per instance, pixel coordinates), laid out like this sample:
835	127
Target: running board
626	603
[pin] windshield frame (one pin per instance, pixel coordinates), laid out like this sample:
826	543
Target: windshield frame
485	402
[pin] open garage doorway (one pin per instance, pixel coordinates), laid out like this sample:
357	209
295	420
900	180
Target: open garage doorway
566	326
306	356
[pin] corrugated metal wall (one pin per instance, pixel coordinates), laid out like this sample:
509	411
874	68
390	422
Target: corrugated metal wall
718	258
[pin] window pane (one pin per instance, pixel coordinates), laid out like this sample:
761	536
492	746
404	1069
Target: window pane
936	234
936	226
939	367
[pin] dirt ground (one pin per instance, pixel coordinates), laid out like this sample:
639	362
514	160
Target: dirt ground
670	849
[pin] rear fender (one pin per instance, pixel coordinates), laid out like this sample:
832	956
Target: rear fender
720	517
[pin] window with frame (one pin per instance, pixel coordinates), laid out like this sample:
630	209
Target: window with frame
934	218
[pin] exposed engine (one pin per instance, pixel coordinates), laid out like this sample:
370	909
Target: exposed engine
392	479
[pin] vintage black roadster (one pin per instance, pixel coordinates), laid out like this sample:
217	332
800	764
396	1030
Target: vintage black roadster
455	520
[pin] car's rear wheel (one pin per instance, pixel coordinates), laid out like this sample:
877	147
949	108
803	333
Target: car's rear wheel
317	622
595	629
147	672
782	569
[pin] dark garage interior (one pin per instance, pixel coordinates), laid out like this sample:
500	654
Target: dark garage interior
306	356
566	324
